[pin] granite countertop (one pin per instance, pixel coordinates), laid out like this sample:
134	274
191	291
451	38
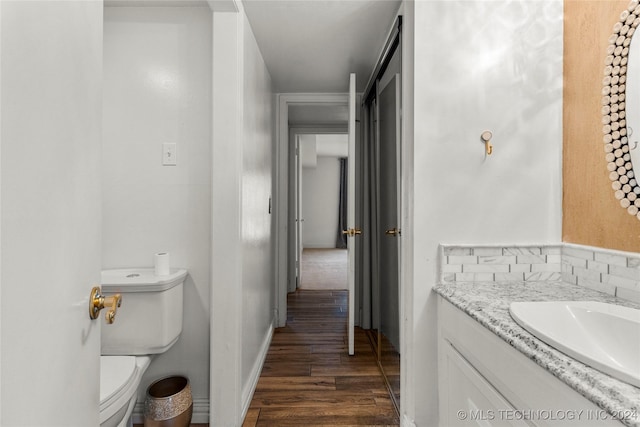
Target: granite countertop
488	303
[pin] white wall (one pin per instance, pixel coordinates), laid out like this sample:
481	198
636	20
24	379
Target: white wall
332	144
308	151
157	88
320	200
257	143
242	299
51	89
478	66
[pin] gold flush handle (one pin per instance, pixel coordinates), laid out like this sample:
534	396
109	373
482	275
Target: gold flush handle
393	232
351	232
97	302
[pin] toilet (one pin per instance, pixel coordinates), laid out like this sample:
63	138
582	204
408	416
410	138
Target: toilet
148	322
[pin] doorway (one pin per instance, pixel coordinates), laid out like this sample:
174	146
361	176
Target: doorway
321	210
287	226
297	114
324	268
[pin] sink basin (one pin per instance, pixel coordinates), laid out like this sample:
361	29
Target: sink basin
603	336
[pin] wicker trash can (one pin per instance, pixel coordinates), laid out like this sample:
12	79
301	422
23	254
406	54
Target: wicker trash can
168	403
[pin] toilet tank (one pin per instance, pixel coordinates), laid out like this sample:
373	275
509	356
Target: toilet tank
149	320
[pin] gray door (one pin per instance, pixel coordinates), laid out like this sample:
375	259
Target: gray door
389	129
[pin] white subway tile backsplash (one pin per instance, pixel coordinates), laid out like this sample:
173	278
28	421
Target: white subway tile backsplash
536	268
542	275
496	259
531	259
488	251
633	262
485	268
611	259
629	294
447	250
448	277
597	285
569	278
601	267
587	273
577	253
574	261
626	272
619	281
500	263
452	268
520	268
554	258
462	259
474	277
552	250
522	251
612	272
509	277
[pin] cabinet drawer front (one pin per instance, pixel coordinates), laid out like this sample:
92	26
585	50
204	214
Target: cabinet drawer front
468	399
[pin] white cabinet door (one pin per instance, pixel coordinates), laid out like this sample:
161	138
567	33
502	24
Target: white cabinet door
467	398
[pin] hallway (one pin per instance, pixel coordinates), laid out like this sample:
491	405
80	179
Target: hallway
308	379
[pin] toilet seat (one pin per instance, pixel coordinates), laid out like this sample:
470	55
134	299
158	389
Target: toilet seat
115	373
119	380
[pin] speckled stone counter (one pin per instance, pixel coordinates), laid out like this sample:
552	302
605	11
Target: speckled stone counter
488	303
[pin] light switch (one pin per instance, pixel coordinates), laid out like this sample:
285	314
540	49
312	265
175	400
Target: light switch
169	152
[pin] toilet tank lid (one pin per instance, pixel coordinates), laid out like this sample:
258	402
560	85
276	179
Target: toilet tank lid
140	280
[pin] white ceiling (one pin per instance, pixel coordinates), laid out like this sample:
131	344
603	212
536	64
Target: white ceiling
313	45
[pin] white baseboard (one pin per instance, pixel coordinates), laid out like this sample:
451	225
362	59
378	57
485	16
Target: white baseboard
200	412
250	386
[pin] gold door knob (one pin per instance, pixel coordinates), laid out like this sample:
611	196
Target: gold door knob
351	232
97	302
393	232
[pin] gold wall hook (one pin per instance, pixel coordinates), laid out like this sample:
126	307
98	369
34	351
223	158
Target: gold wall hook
486	139
97	302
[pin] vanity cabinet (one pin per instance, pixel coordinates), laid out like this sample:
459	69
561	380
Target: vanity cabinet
466	398
483	381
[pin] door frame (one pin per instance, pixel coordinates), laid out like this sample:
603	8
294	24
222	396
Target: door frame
284	238
294	133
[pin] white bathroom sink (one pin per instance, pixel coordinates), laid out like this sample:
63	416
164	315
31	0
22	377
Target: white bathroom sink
603	336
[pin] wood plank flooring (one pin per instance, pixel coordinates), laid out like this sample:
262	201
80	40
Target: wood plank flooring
308	378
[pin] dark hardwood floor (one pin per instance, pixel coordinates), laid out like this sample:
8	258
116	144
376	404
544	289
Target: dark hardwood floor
308	378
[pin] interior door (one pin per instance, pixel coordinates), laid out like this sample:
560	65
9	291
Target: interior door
351	208
51	98
389	220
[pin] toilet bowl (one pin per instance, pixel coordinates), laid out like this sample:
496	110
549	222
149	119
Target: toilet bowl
148	322
119	380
